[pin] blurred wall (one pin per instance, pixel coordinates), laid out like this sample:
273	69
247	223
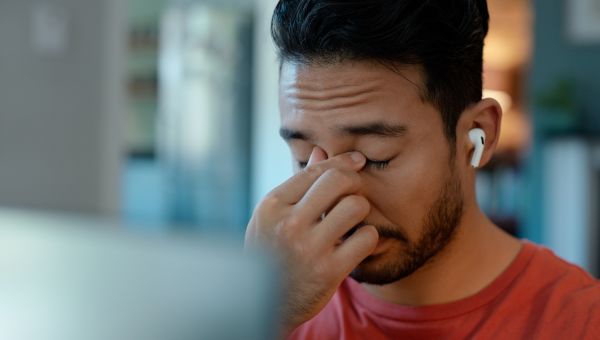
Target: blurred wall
555	56
59	111
560	179
271	161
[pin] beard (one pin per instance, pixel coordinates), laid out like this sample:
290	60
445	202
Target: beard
438	229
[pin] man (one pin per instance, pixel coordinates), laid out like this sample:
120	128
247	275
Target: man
379	228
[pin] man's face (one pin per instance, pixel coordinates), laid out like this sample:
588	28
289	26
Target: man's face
409	179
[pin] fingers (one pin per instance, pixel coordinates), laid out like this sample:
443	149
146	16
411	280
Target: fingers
355	249
292	190
288	221
317	155
349	212
326	192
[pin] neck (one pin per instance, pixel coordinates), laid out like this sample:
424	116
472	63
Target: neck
477	255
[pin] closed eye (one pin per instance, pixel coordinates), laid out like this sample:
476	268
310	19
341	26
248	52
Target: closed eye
378	165
373	164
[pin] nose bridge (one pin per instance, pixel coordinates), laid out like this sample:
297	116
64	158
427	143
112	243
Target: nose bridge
362	176
335	146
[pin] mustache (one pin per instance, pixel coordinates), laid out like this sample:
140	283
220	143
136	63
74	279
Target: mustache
384	231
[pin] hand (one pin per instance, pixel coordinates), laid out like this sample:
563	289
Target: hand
291	220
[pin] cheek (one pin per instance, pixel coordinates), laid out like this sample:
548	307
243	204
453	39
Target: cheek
405	194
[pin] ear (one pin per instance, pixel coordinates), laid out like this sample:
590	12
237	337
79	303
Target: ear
486	115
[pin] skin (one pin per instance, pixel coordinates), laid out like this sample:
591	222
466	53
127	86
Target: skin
309	217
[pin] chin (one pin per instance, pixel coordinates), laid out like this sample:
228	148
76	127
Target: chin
384	268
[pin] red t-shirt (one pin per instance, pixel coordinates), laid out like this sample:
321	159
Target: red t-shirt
539	296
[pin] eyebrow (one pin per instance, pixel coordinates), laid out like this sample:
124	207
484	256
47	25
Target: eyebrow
380	129
288	134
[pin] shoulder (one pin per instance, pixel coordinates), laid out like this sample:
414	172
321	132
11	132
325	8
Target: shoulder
548	267
577	310
569	295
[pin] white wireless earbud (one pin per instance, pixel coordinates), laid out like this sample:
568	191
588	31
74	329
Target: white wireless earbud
477	138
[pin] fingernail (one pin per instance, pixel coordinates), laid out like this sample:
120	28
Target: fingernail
357	157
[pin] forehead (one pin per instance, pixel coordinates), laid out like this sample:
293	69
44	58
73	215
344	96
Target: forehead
350	91
348	72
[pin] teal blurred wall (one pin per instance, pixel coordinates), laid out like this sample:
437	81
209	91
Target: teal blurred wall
556	57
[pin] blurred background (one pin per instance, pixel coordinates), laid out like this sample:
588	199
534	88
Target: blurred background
163	114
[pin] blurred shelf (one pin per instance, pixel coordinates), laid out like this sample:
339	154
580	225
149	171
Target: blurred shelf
142	62
510	224
143	86
506	159
142	154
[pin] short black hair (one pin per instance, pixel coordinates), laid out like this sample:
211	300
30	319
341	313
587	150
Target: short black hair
444	37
